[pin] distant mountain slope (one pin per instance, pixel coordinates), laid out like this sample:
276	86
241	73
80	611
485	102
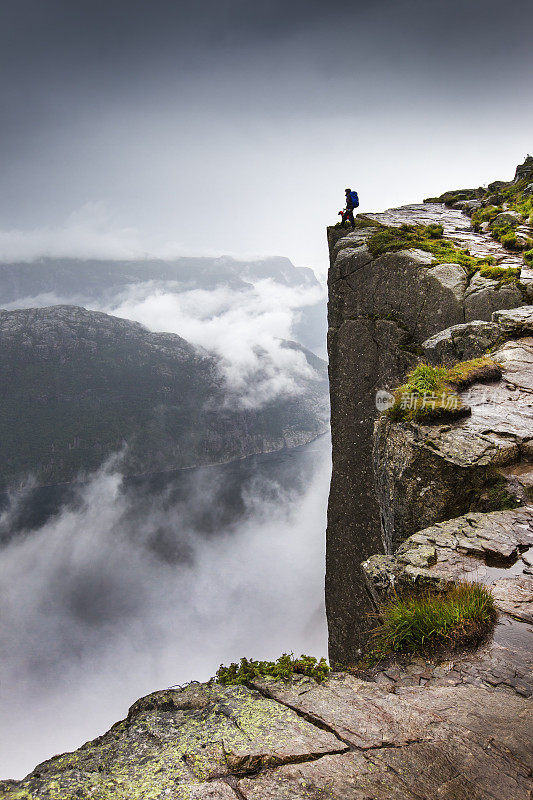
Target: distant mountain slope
47	281
93	278
75	385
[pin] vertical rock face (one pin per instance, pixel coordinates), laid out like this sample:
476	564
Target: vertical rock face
380	312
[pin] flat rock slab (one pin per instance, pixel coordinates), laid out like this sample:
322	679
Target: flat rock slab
471	750
503	663
515	596
343	739
459	549
178	744
516	358
451	768
513	321
360	712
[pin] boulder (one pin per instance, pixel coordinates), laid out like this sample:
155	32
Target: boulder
507	218
452	277
497	186
486	295
514	321
461	342
474	339
472	205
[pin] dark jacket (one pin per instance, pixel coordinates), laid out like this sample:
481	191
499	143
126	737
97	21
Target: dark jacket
349	202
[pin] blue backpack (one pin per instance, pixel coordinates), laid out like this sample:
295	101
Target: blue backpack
355	199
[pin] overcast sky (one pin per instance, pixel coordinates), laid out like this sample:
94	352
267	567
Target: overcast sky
231	126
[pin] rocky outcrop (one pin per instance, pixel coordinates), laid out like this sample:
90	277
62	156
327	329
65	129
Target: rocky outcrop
524	170
82	385
344	739
381	313
495	548
453	726
474	339
429	473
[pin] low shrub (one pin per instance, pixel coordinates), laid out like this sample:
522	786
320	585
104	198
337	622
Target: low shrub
501	274
510	242
460	615
285	667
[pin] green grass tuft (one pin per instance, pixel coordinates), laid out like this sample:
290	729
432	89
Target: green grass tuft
430	238
510	242
430	393
285	667
414	623
501	274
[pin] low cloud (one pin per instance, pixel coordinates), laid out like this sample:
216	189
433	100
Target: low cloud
123	592
244	327
93	231
86	233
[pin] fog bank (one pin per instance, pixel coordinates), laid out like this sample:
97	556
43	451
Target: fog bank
125	591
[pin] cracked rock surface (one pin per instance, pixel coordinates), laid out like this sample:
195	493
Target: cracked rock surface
176	743
474	339
493	548
344	739
429	473
383	313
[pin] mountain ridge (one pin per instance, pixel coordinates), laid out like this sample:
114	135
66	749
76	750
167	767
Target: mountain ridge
83	383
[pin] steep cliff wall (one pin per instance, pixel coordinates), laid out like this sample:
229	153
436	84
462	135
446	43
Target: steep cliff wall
382	308
453	726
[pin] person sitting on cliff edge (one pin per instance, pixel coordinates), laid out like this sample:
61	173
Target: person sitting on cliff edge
352	201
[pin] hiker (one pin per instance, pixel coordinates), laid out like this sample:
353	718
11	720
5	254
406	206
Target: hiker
352	201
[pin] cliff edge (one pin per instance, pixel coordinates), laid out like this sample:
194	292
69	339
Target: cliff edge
344	739
424	495
395	282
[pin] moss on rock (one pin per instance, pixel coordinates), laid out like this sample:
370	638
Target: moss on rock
430	392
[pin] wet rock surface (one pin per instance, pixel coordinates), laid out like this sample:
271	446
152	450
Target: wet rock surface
475	339
175	743
382	313
429	473
493	549
456	226
344	738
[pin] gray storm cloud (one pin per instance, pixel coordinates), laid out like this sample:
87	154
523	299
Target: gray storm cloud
122	593
236	127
